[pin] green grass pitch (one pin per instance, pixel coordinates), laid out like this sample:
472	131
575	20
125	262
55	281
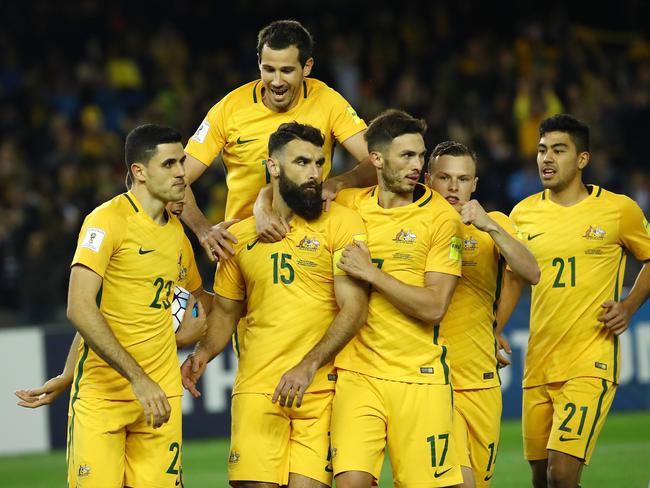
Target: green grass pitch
621	459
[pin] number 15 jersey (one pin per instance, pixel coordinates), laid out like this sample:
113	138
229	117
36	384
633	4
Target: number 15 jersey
581	254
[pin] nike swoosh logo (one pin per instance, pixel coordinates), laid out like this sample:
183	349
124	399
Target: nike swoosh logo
530	238
244	141
438	475
565	439
142	251
250	245
488	478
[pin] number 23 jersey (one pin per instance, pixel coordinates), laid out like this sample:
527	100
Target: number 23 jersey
581	251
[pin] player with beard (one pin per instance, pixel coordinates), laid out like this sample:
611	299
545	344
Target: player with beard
393	387
301	311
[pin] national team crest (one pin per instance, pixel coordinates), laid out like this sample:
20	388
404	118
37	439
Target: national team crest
405	237
309	244
84	470
470	244
594	233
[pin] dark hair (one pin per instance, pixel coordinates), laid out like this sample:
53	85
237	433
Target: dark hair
281	34
389	125
292	131
577	130
141	144
451	148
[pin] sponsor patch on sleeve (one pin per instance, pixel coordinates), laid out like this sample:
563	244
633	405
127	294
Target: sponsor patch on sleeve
201	132
456	249
93	239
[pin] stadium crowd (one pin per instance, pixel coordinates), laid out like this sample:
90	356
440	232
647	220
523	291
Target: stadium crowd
100	71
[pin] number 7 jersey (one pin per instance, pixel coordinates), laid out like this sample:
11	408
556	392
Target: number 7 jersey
581	251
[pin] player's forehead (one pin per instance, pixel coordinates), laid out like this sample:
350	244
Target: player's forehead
408	143
454	165
168	150
553	138
298	148
288	56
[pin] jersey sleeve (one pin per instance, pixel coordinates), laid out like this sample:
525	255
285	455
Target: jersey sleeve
634	230
445	252
229	281
344	121
98	239
193	281
348	227
210	138
347	197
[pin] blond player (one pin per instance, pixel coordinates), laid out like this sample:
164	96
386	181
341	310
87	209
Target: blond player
301	310
239	125
125	408
393	387
580	235
468	328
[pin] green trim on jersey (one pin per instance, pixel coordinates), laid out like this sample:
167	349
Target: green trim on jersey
131	202
598	408
80	372
255	92
427	200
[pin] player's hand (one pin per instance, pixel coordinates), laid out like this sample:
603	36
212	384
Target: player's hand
46	394
355	261
192	328
191	370
153	400
270	226
472	213
331	188
293	385
216	240
616	316
504	345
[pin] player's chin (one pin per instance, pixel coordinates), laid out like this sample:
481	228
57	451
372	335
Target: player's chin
177	192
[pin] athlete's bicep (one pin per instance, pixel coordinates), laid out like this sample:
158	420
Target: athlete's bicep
193	168
83	288
350	293
356	145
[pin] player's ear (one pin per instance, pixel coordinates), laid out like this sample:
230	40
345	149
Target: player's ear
273	167
138	171
474	184
306	69
377	159
583	160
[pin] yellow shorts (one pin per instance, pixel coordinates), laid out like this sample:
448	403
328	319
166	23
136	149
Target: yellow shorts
477	422
111	445
269	441
565	417
415	420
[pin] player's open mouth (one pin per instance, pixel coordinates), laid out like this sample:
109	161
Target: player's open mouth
548	173
279	93
451	199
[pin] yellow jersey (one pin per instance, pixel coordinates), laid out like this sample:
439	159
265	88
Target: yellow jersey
468	326
405	242
189	277
289	289
581	253
139	262
240	125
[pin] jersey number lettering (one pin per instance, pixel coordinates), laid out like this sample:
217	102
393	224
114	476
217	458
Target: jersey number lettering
558	283
432	442
172	467
378	261
282	269
161	285
572	410
491	460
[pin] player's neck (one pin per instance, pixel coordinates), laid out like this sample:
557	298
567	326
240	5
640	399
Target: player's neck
572	194
389	199
279	206
152	206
